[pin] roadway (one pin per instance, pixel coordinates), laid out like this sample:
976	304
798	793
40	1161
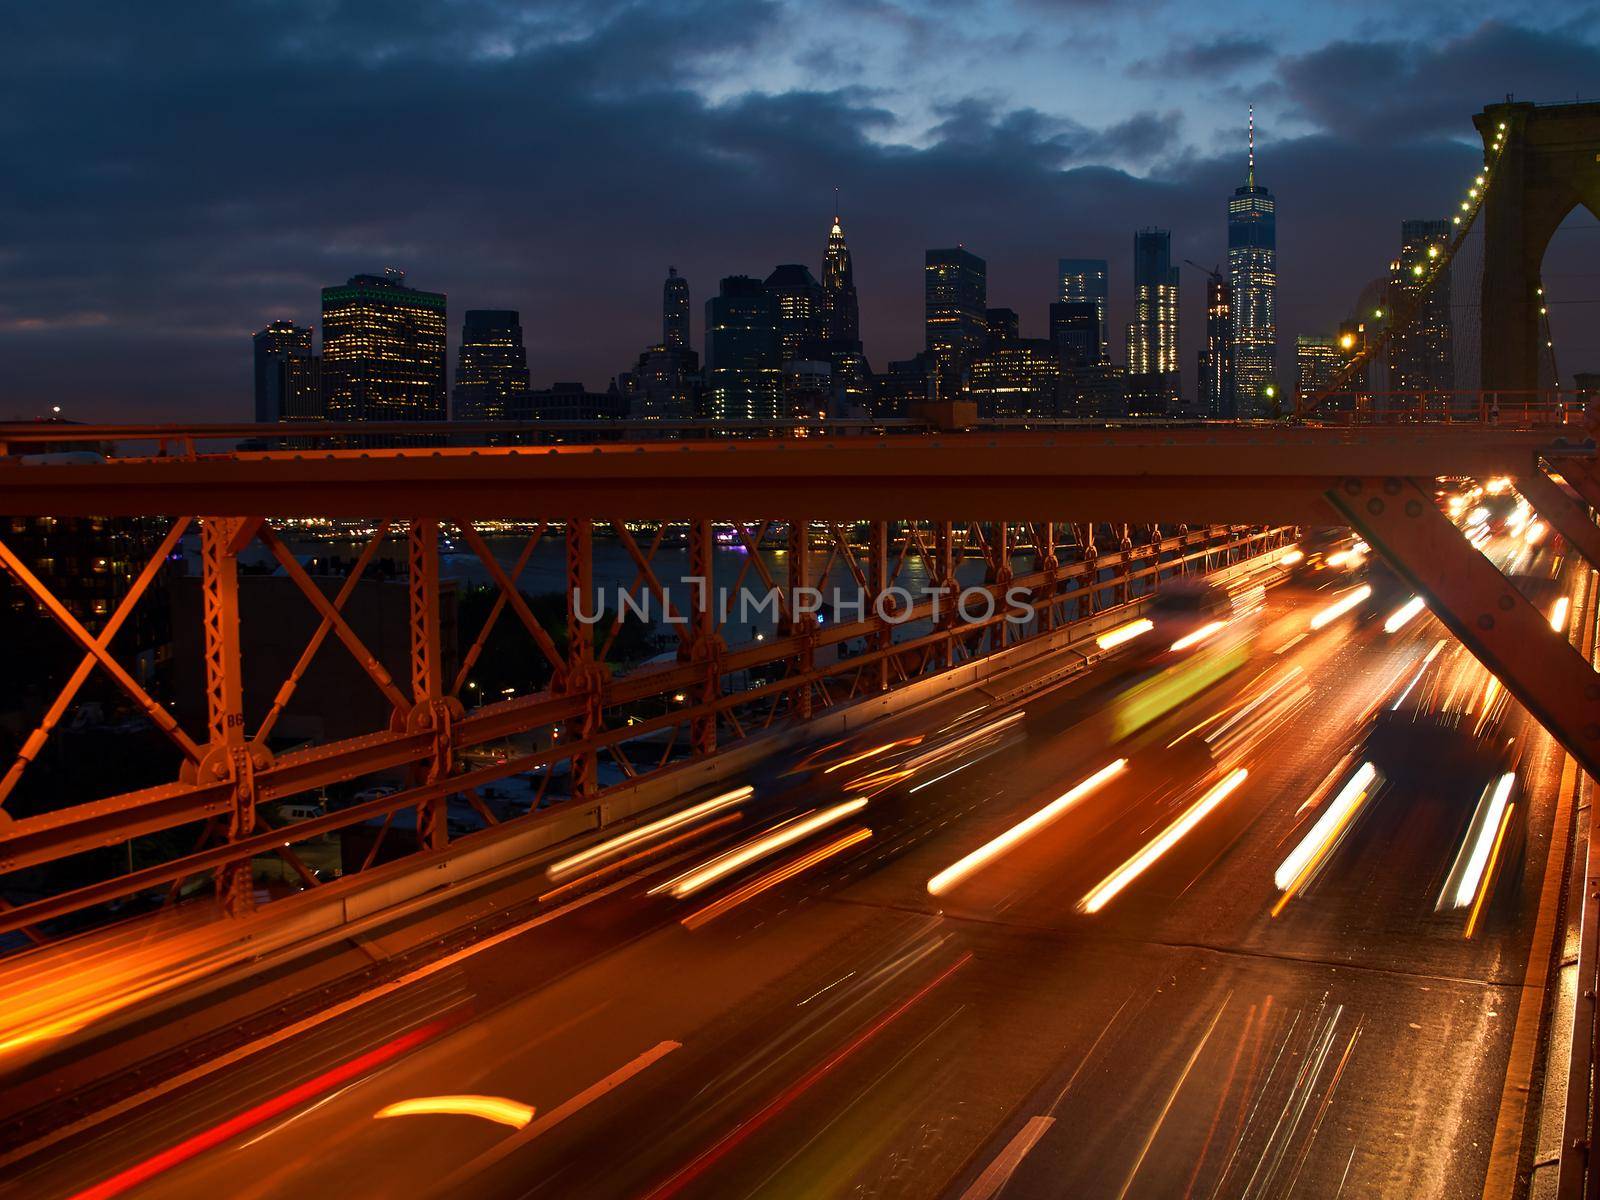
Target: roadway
843	1031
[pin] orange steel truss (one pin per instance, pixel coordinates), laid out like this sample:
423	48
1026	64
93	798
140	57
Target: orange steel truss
1081	519
232	775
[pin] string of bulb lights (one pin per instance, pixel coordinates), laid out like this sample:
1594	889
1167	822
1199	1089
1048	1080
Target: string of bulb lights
1427	273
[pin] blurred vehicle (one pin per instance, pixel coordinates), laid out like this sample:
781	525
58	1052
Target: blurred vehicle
1327	553
1443	742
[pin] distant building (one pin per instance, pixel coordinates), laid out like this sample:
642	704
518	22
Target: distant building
801	319
1076	330
852	374
744	352
955	292
665	385
1421	351
1002	326
1317	363
288	375
491	365
1153	377
1217	398
570	402
1086	280
1253	272
1016	377
675	312
1097	390
383	350
808	390
906	383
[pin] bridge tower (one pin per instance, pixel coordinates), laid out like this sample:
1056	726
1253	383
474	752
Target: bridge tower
1550	165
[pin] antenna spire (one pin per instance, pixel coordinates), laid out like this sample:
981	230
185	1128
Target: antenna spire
1251	179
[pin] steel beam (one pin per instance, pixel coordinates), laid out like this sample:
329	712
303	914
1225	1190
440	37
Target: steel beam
1228	475
1566	515
1478	604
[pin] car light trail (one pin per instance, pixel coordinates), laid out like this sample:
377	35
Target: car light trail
1198	636
1494	855
633	837
1124	633
1402	616
773	878
1558	613
1534	533
490	1108
1341	606
1303	861
1415	679
784	835
1291	556
735	1136
872	753
1471	865
261	1113
1108	889
990	850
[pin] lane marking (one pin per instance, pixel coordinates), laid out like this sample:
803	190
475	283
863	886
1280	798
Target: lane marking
998	1173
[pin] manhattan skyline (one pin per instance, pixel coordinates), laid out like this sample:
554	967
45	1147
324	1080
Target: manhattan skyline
502	166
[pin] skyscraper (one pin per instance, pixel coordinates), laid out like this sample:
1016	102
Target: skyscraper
1076	330
491	365
744	352
1217	396
955	289
383	350
1253	272
801	320
852	376
1421	350
1317	362
1087	280
286	374
675	311
1153	377
841	309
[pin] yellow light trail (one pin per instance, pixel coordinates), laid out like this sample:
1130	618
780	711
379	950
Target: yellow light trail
633	837
490	1108
1305	858
1107	889
773	878
1341	606
784	835
992	849
1124	633
1558	613
1198	636
1402	616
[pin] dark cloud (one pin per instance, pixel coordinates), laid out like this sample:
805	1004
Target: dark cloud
1215	59
1395	91
173	184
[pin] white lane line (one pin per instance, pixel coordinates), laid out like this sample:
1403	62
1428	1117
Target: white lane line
998	1173
558	1114
1291	643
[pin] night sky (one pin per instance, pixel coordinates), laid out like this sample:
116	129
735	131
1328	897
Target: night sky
178	175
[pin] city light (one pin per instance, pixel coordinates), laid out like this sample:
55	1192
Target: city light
1124	633
1558	613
